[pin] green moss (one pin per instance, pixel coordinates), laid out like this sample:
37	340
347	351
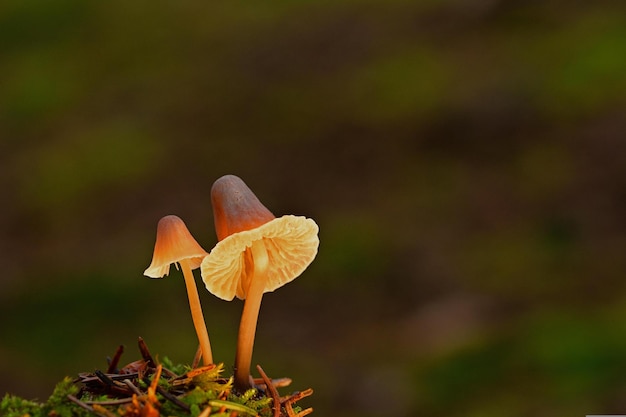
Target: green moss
12	406
195	391
58	405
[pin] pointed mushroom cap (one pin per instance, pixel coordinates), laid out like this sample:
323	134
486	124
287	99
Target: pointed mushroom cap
240	219
173	244
235	207
291	243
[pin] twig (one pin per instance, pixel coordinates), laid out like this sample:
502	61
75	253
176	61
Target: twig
116	359
169	373
104	378
111	402
170	397
277	382
287	402
206	412
84	405
109	384
305	412
84	378
132	387
297	396
145	353
272	390
197	357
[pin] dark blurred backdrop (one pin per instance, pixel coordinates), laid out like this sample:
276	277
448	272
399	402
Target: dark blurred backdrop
465	160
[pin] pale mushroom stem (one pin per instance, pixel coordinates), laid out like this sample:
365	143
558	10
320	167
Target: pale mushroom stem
250	315
196	312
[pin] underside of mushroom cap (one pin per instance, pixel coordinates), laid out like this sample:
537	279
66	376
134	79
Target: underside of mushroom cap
291	243
162	269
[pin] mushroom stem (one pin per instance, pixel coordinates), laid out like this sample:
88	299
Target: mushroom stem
250	315
196	312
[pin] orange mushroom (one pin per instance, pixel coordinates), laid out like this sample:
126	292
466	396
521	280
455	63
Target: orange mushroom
175	245
256	253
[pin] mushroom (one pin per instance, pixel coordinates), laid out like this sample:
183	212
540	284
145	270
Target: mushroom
175	245
256	253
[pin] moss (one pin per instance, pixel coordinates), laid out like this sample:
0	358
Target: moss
57	405
180	391
12	406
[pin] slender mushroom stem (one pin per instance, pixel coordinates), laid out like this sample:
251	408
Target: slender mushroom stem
250	315
196	312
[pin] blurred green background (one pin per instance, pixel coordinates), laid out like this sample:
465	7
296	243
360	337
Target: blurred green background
465	160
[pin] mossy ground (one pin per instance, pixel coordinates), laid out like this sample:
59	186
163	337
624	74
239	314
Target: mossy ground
145	388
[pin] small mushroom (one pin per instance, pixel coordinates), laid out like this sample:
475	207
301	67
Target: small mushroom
175	245
256	253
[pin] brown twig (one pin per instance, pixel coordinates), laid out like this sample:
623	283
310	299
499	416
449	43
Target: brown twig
172	398
104	378
122	386
197	357
145	353
84	405
116	360
277	382
297	396
132	387
305	412
169	373
272	390
89	378
110	385
289	401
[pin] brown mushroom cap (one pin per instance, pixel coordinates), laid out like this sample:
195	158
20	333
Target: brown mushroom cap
173	244
235	207
291	243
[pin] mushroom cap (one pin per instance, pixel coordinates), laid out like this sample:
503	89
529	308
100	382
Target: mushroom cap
291	243
173	244
235	207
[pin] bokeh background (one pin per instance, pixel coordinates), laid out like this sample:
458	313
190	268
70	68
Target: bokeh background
465	160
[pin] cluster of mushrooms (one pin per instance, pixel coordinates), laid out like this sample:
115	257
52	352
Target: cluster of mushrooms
256	253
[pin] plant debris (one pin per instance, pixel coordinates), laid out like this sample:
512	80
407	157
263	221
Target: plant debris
149	388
